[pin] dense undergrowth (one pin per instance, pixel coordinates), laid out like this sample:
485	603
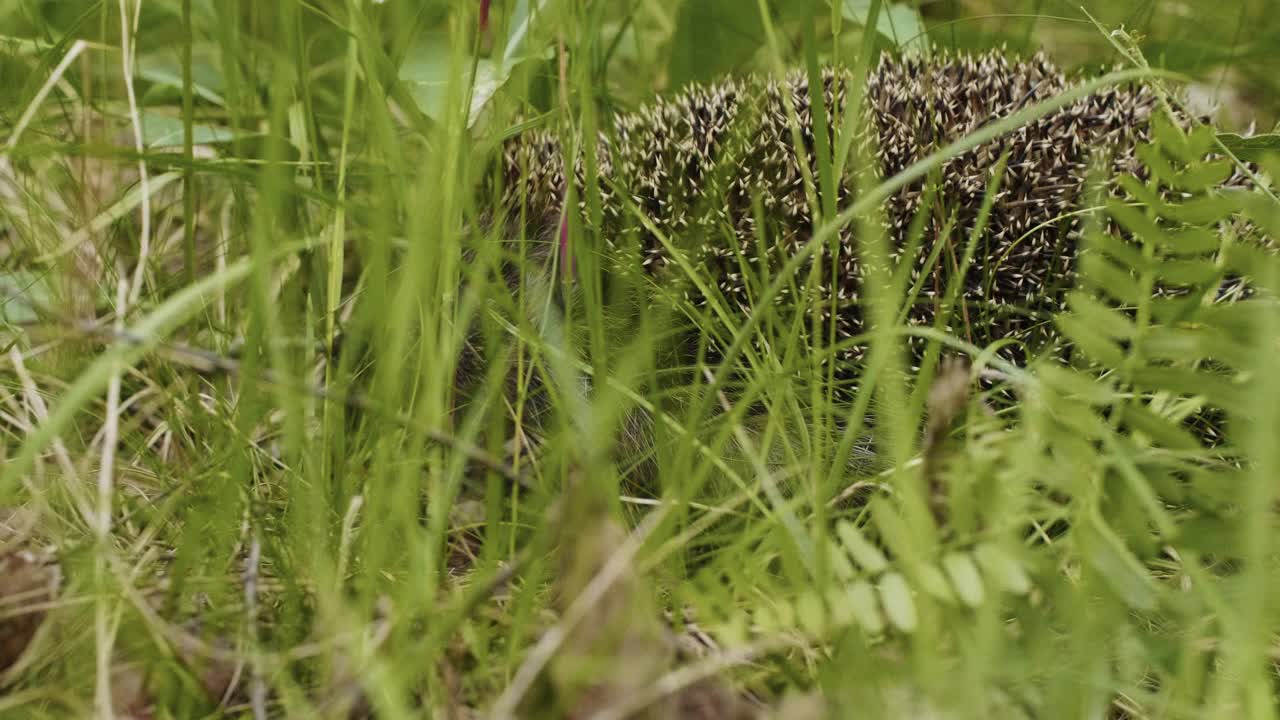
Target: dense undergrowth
247	257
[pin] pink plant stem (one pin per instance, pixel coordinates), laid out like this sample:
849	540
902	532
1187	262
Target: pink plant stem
566	258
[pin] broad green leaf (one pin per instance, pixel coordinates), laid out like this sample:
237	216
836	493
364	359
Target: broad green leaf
21	292
523	40
1090	389
786	615
1081	419
1105	320
864	553
1171	488
427	72
713	37
861	599
1128	257
935	583
1262	210
1200	142
1253	148
1190	173
1200	210
428	66
1240	319
1171	138
1187	146
898	21
1135	220
767	619
734	631
811	613
1189	241
1216	490
1252	262
1118	283
1003	567
1122	457
1183	308
844	569
895	595
9	8
1190	272
1094	343
1107	554
842	612
161	131
1185	381
1162	430
1158	164
1207	533
1175	343
164	69
964	578
1140	191
1203	176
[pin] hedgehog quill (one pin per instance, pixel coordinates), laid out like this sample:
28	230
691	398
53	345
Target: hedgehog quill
693	164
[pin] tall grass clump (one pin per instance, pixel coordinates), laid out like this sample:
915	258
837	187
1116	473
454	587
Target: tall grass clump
301	418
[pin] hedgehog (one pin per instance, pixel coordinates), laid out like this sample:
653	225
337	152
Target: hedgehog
694	163
721	178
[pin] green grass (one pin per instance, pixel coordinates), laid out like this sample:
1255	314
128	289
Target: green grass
245	259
